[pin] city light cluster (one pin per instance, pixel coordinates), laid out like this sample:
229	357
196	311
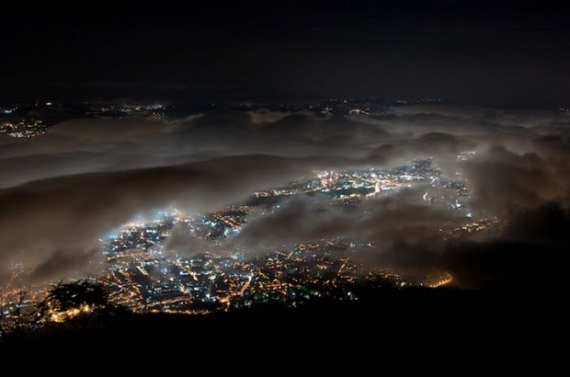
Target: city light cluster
145	274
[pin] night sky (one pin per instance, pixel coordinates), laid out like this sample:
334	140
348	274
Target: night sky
511	54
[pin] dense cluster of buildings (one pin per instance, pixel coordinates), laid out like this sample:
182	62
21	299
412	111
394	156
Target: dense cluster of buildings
147	270
146	273
24	128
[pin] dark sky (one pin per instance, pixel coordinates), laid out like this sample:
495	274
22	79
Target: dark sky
515	53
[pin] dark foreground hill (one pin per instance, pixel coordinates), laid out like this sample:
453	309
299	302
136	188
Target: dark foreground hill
407	320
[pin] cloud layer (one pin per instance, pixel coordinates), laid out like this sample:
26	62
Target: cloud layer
61	191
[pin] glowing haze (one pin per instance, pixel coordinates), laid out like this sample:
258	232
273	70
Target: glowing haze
61	191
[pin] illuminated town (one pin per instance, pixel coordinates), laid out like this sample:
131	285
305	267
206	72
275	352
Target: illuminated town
143	273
